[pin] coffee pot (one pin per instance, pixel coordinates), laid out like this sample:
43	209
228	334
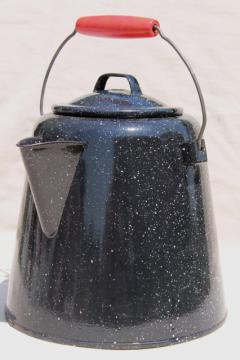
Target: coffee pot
116	245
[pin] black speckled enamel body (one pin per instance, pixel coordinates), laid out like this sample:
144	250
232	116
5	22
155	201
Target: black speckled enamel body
134	262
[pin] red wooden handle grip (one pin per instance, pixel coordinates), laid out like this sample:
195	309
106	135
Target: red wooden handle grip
116	26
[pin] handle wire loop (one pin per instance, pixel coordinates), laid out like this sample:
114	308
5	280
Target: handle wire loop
196	83
50	67
155	28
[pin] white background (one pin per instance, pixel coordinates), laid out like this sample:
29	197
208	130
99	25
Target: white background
208	33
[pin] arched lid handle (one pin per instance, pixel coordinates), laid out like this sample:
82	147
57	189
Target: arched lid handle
133	83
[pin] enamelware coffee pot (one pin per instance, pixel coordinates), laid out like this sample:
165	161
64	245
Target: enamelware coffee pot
116	245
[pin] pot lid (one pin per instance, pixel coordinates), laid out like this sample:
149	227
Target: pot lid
116	103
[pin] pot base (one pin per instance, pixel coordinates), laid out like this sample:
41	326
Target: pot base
111	345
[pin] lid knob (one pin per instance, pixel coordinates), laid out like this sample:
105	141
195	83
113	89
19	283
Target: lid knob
133	83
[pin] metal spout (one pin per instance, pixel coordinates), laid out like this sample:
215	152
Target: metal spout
50	168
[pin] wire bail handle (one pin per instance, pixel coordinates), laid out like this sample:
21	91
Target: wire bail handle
116	26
